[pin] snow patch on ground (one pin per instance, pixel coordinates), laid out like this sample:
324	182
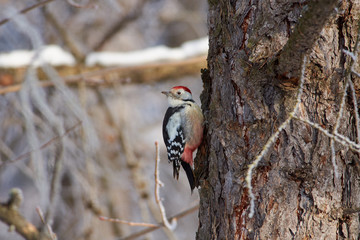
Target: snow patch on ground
154	54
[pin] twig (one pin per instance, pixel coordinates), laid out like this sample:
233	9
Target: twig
349	211
74	4
304	36
356	109
55	180
336	137
348	83
338	118
54	139
148	230
131	16
354	59
64	35
333	157
272	139
40	102
165	221
32	136
41	215
6	150
36	5
10	215
131	160
116	220
171	226
71	101
356	73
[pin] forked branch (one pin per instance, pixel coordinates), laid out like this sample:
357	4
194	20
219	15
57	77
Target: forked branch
9	214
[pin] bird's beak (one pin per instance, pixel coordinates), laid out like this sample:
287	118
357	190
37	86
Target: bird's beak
166	93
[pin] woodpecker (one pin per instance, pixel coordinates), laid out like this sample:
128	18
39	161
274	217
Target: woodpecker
182	130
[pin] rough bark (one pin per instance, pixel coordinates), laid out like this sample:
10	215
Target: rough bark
248	93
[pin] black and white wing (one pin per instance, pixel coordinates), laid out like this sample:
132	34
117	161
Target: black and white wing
174	137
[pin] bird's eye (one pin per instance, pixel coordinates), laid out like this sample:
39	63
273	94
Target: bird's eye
178	93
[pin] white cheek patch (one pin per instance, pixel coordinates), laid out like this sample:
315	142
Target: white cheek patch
173	102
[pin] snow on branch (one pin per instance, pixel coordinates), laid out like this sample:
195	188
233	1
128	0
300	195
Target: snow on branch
147	73
37	111
56	56
154	54
134	67
52	54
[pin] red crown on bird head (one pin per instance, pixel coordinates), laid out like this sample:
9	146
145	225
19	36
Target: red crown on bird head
182	87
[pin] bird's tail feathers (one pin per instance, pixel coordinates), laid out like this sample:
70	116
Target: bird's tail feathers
189	174
176	169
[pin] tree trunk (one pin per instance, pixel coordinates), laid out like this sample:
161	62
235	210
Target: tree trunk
250	87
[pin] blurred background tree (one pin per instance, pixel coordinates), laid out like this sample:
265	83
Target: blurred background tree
87	149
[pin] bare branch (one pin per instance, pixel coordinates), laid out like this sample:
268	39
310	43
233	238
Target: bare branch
165	221
64	35
146	73
116	220
41	215
32	135
336	137
74	4
119	25
148	230
304	36
131	160
54	139
36	5
272	139
55	180
10	215
39	100
356	73
348	83
158	183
